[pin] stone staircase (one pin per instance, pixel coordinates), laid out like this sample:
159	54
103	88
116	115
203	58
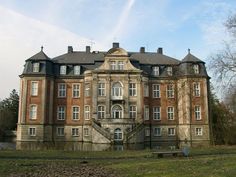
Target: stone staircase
103	132
135	130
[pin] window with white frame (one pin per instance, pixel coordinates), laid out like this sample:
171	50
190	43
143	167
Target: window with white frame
86	132
132	89
101	112
170	113
87	112
75	90
196	69
156	90
77	70
113	65
60	131
132	111
198	131
147	131
157	113
87	89
170	91
32	131
101	89
117	112
157	131
196	89
118	134
197	112
34	88
63	70
146	90
169	71
75	131
146	112
120	65
33	112
61	90
61	112
156	70
171	131
75	112
117	90
36	67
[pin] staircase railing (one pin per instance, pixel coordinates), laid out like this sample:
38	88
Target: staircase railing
101	130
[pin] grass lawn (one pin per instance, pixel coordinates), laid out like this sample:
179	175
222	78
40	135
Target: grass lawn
215	161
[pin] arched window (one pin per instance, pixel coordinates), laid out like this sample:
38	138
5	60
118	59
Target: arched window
117	90
117	112
118	134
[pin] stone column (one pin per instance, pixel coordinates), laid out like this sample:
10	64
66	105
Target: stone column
24	101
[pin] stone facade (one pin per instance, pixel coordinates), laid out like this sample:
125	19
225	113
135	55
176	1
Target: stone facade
114	97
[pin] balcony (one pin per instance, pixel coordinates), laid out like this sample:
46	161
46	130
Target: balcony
117	121
117	97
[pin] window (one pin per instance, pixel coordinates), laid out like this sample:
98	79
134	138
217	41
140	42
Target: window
156	71
60	131
170	113
61	112
146	112
101	112
169	71
156	90
87	89
33	112
198	131
196	89
76	90
36	67
147	131
196	69
170	91
197	111
157	131
120	65
132	111
86	132
87	112
32	131
156	113
146	90
61	90
117	90
34	88
101	89
63	70
171	131
132	89
118	134
117	112
75	132
113	65
75	112
76	70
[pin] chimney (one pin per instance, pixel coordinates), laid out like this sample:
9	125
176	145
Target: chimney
160	50
115	44
142	50
87	49
70	49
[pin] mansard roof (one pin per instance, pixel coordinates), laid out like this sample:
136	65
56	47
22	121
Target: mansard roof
39	56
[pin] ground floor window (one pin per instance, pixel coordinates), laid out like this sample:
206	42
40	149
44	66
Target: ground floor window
198	131
171	131
60	131
32	131
86	132
118	134
75	132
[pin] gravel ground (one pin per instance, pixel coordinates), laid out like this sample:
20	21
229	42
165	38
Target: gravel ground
62	170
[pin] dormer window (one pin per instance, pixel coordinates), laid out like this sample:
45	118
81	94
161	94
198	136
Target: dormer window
156	71
76	70
116	65
113	65
63	70
36	67
169	71
120	65
196	69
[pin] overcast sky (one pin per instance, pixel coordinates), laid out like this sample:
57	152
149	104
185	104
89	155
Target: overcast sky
175	25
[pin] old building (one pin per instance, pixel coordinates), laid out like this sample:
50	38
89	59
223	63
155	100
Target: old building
114	97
